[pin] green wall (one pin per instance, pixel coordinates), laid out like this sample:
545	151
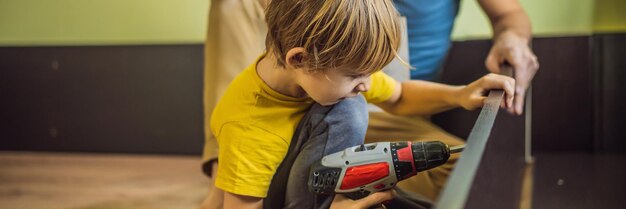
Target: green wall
112	22
102	22
548	18
609	16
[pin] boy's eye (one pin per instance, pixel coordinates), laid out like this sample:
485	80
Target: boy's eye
357	76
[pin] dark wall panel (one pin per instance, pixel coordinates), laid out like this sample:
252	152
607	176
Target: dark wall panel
137	99
148	99
562	96
465	64
609	52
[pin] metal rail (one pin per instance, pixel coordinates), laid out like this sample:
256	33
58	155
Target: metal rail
457	189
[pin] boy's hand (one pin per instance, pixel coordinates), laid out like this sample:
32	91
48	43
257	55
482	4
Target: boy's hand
473	95
342	202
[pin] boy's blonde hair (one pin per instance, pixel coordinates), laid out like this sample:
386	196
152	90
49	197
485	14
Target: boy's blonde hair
361	36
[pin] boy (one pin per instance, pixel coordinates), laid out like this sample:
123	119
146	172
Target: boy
305	98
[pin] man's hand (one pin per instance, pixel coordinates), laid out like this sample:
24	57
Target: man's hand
342	202
514	49
473	95
511	43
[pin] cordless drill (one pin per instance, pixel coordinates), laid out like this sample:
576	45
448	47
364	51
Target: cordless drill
364	169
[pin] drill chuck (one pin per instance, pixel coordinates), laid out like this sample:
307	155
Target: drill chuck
424	156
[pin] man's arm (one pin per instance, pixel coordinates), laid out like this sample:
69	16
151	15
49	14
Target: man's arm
507	16
511	43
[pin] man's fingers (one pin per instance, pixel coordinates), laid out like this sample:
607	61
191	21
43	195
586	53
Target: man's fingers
510	92
523	77
534	61
524	74
514	56
492	62
519	100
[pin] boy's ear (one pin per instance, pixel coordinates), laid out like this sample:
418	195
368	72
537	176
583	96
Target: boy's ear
296	58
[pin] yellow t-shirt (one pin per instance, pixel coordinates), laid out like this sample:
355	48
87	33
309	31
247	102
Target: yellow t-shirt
254	125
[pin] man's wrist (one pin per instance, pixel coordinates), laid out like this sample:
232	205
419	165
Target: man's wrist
512	35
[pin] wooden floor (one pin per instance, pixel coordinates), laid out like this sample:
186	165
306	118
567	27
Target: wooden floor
97	181
105	181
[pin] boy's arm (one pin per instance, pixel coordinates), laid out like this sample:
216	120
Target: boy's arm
416	97
428	98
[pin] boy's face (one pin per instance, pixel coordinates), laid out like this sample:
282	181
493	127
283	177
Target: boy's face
331	86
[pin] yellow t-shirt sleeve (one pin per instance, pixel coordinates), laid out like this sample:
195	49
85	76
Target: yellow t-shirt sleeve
248	159
381	88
